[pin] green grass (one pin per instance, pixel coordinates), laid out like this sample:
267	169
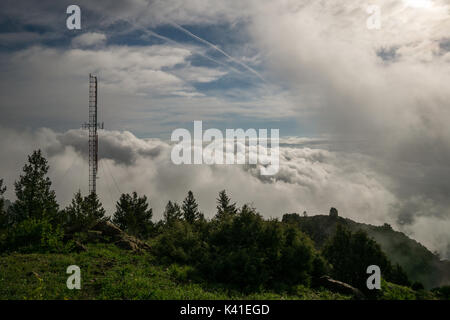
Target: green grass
108	272
391	291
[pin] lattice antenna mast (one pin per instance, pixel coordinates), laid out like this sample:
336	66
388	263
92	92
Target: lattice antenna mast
93	136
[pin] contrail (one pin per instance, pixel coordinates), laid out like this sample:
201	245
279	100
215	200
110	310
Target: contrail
154	34
218	49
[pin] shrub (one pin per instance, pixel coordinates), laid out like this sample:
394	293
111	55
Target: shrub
248	252
390	291
180	243
240	249
35	235
442	292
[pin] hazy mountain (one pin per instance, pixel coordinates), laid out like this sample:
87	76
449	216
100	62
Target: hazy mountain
419	263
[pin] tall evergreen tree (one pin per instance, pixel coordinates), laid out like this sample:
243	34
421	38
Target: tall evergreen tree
190	208
224	208
3	216
133	215
34	196
94	206
83	213
172	212
2	191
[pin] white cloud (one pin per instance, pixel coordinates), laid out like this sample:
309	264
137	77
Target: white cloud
89	39
149	89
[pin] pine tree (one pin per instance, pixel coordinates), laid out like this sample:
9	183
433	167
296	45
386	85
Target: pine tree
83	213
35	199
3	216
94	207
224	208
133	216
190	208
172	212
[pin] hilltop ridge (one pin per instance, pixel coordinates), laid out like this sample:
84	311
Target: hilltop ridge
420	264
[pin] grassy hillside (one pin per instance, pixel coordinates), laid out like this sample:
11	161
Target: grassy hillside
419	263
235	255
108	272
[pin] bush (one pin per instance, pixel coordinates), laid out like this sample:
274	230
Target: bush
296	263
442	292
181	273
35	235
417	286
243	251
390	291
180	243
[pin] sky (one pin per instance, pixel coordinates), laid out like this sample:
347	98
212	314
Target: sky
362	112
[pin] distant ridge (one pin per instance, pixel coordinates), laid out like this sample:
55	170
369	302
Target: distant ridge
418	262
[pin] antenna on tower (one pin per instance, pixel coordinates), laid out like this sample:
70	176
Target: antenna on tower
92	126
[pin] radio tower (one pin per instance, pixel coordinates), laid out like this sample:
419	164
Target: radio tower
93	136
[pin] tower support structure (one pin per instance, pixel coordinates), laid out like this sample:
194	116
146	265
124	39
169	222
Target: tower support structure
92	126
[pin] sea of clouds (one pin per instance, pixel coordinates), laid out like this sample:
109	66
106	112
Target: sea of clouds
311	178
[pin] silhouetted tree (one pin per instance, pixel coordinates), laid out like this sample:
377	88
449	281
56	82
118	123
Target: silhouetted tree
224	207
33	218
133	215
172	212
397	275
3	216
34	196
190	208
94	206
83	213
351	253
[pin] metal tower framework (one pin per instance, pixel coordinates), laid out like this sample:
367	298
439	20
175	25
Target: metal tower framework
93	136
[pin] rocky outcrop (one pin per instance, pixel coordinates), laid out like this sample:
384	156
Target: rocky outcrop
108	229
110	233
341	287
334	213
